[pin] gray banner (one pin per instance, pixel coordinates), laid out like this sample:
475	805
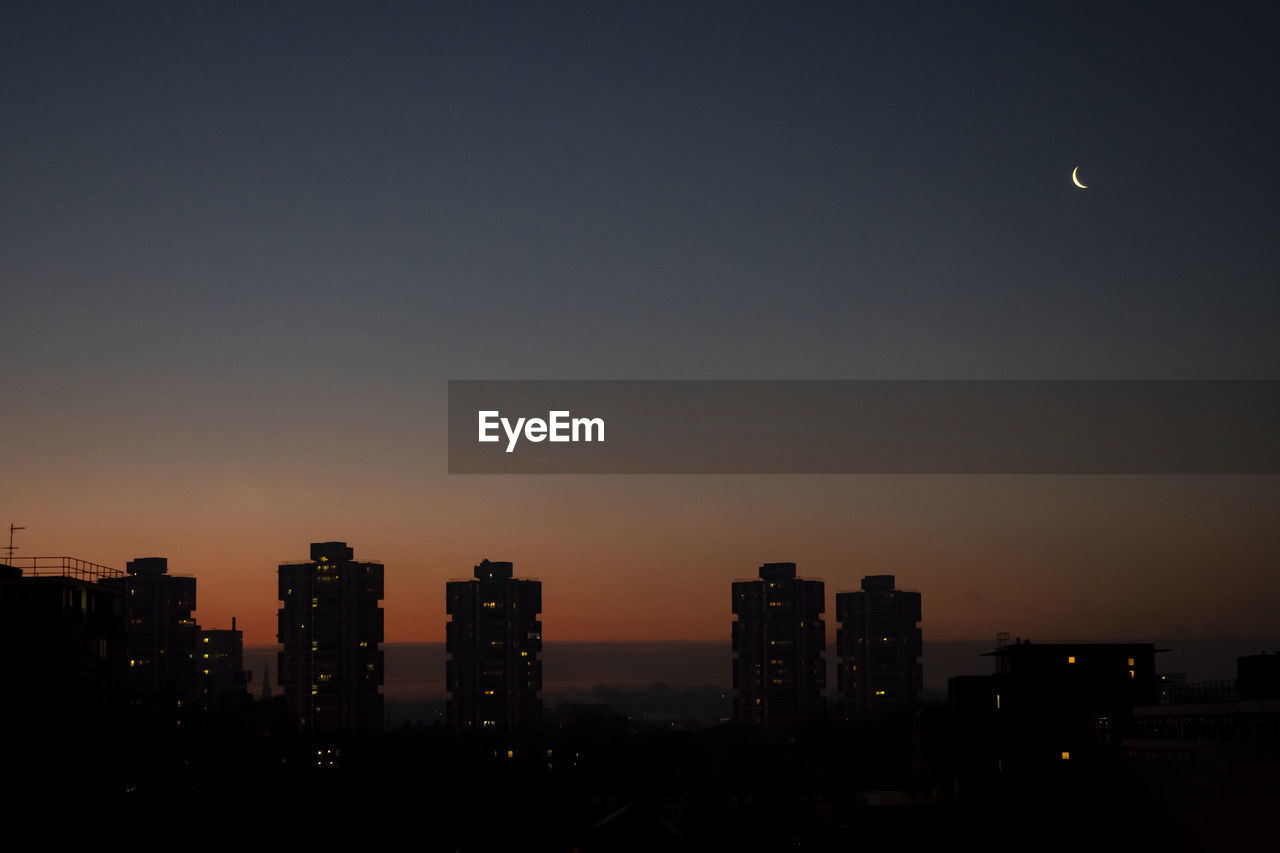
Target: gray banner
864	427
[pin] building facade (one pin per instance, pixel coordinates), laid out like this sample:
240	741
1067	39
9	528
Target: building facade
493	639
779	647
224	682
64	668
164	675
1052	712
879	644
329	627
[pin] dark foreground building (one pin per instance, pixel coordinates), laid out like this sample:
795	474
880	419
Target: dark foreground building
493	638
1052	713
65	675
330	626
779	642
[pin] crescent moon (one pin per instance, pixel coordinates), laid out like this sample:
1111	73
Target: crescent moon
1076	180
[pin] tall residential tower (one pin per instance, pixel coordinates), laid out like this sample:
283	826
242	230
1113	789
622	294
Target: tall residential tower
779	640
164	675
493	638
879	646
330	626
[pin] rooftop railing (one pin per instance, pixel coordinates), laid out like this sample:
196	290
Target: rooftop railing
65	567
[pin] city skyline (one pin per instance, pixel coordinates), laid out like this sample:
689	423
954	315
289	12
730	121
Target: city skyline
257	618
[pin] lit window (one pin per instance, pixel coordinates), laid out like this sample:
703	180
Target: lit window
879	692
1071	658
1132	674
1066	756
1130	661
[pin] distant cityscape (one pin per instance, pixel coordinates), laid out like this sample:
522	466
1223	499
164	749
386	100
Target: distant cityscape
157	700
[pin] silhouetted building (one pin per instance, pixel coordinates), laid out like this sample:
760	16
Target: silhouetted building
1258	676
330	626
224	683
879	647
1051	711
64	673
164	679
493	638
779	642
1205	747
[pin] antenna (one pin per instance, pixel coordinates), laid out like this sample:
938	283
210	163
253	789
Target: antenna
12	547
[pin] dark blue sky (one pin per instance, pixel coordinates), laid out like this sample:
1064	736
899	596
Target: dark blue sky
261	236
674	189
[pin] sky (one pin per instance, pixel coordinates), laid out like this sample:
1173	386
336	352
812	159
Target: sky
244	246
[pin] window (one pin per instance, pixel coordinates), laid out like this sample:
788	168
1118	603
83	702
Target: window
1071	658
